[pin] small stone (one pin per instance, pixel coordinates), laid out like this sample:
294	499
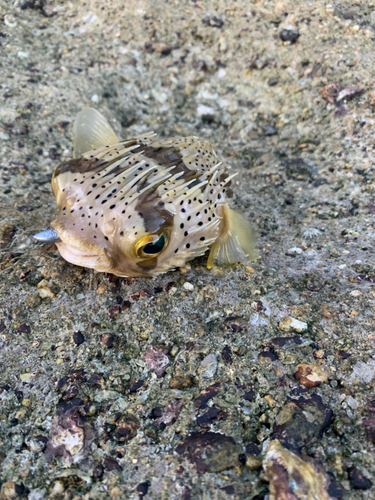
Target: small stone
352	402
205	112
363	372
142	489
101	289
70	436
208	366
319	354
314	283
44	290
115	492
157	359
202	400
290	477
188	286
289	324
7	232
270	401
302	421
108	340
26	402
288	35
112	464
270	130
210	451
126	428
180	382
251	462
26	377
10	490
78	338
170	413
37	494
58	488
358	480
98	471
36	444
295	251
310	375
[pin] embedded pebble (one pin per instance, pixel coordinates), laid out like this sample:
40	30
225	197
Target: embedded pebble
208	366
310	375
291	477
44	290
292	325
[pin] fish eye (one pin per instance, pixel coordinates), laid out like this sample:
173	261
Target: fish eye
152	248
151	245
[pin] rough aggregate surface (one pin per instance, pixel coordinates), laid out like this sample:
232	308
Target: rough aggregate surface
194	384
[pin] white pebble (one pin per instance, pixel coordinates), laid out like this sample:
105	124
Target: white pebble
295	250
205	110
208	366
353	403
188	286
292	325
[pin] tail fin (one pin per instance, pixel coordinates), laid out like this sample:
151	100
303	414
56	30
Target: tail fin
236	242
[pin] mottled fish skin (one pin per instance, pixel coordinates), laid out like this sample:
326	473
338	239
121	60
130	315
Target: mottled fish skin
114	198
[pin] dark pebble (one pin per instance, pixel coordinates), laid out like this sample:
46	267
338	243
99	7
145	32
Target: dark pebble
249	395
95	379
227	355
210	452
114	311
156	412
206	394
289	199
210	416
108	340
125	305
301	422
23	329
273	81
142	489
136	386
289	36
270	130
271	355
78	338
127	428
358	480
314	283
98	471
112	464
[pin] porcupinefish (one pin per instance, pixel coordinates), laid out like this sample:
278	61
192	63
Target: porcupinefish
144	206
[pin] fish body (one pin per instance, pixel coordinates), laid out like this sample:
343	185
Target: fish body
144	206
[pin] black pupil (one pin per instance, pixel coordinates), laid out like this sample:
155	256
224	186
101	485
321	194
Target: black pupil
156	247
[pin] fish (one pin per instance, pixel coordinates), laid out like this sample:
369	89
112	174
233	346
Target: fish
146	205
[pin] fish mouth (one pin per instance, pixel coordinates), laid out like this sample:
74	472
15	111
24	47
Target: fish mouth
77	257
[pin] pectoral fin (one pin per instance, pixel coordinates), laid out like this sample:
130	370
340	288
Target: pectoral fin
236	242
91	131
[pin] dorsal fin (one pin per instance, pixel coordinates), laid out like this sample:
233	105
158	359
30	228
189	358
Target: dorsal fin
91	131
236	242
